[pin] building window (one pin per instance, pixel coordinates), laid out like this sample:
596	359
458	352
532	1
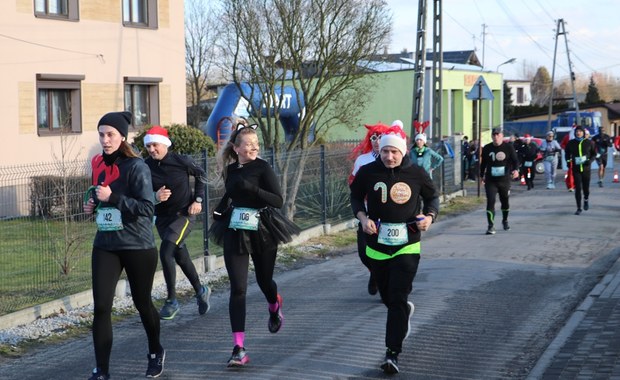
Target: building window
59	104
520	99
140	13
58	9
142	100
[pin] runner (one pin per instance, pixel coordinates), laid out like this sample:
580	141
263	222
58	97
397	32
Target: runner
366	152
122	199
579	154
385	198
251	225
498	164
175	209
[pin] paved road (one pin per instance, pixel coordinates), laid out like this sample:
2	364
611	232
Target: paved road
487	307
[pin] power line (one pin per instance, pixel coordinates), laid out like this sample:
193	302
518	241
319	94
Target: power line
98	56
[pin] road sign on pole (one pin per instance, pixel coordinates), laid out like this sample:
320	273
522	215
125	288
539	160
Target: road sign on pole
480	90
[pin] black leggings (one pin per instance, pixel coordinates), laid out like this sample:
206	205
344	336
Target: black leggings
140	266
492	189
582	183
170	253
264	259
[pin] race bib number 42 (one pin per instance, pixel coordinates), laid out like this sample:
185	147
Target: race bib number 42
109	219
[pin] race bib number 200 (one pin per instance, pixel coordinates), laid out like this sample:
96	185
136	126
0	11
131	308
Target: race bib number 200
393	234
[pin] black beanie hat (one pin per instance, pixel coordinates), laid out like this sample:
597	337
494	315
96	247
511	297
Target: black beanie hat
118	120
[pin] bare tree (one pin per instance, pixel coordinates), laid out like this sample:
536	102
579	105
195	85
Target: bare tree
201	36
319	47
541	83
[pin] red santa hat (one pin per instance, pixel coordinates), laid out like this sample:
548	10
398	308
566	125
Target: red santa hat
157	134
395	137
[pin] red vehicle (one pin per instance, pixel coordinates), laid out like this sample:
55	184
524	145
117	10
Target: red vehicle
539	167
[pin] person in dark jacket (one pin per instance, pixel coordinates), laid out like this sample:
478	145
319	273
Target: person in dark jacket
526	153
392	221
498	164
175	210
602	143
122	199
579	153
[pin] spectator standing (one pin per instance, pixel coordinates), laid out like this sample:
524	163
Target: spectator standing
122	198
466	157
580	152
424	156
498	165
385	198
176	207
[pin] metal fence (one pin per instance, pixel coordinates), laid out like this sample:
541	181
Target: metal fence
46	240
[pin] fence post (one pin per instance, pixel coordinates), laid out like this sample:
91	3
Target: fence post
326	227
208	260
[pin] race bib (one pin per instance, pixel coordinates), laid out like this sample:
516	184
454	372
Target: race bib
393	234
550	158
580	160
109	219
527	164
498	171
243	218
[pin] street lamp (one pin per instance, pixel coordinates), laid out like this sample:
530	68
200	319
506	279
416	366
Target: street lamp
511	60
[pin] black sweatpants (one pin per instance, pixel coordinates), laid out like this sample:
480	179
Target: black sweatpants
394	279
140	266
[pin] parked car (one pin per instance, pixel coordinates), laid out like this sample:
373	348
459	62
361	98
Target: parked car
539	167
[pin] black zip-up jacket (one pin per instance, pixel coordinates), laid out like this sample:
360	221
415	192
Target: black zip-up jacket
132	195
393	196
580	148
173	171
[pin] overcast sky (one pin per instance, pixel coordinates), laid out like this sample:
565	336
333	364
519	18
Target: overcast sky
523	29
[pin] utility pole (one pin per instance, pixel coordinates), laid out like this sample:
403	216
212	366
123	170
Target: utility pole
560	30
420	69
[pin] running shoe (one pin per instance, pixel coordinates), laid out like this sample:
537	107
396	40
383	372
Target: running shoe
506	225
156	364
238	358
202	300
276	318
578	211
600	183
586	204
97	375
169	310
411	310
491	230
390	363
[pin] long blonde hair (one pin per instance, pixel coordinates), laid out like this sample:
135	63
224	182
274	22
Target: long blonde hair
227	154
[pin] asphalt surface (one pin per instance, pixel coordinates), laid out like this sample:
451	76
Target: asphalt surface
540	301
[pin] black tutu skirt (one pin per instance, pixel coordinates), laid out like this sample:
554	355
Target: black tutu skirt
273	229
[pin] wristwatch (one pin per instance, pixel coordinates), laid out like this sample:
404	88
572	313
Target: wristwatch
198	200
